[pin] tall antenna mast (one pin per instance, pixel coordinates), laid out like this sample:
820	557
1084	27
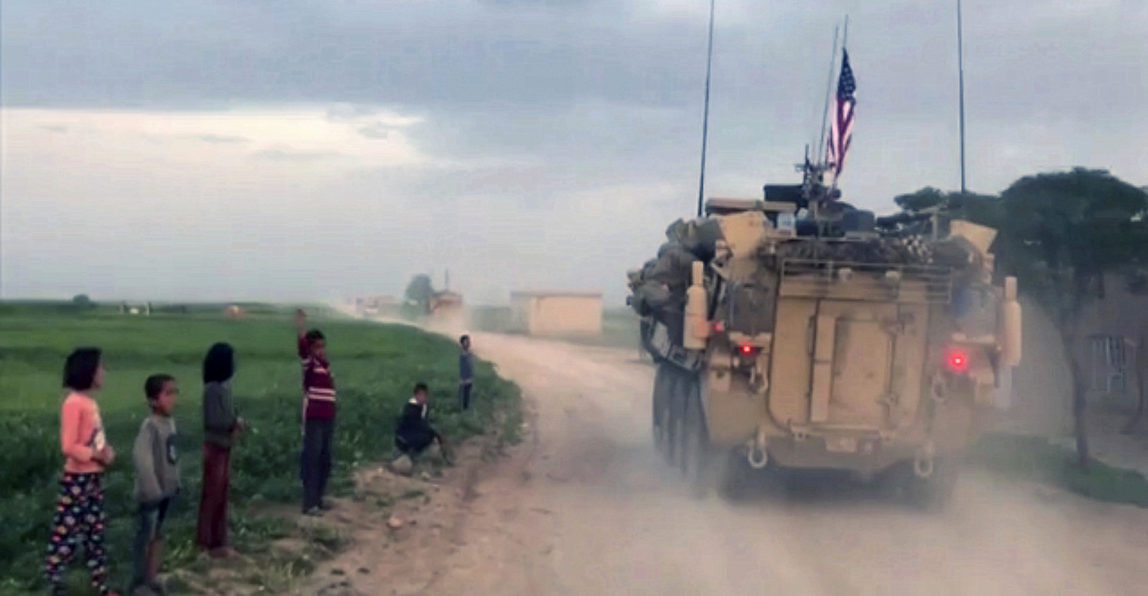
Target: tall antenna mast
961	75
828	91
706	113
845	34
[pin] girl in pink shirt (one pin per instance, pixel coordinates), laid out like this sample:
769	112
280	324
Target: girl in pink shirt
79	518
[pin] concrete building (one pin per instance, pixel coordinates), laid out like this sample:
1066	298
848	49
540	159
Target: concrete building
1110	329
556	313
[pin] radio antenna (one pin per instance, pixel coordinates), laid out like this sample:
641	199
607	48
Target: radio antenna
706	112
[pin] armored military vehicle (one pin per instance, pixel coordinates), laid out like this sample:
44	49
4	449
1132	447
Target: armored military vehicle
796	331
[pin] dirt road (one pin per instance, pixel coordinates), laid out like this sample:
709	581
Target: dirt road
586	507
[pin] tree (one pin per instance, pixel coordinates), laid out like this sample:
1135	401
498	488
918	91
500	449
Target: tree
921	200
983	209
83	302
1059	233
421	291
1064	232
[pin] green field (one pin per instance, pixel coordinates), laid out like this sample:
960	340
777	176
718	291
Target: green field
375	368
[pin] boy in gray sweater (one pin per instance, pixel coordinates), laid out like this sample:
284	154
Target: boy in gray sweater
465	373
157	481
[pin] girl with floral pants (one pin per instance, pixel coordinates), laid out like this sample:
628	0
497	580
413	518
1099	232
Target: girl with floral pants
79	518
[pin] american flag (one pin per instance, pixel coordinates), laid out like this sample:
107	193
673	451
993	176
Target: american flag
841	133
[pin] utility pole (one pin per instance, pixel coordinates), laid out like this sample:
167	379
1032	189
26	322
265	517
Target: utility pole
961	78
706	113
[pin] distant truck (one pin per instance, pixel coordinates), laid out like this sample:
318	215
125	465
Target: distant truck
445	303
446	309
836	341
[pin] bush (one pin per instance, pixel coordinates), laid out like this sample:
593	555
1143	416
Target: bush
83	302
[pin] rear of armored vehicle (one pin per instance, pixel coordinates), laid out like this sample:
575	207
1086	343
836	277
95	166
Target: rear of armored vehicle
835	354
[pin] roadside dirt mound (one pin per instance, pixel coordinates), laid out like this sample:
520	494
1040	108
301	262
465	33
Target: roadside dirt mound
400	531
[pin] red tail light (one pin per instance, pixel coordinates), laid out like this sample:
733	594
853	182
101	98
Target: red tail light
957	360
718	327
747	350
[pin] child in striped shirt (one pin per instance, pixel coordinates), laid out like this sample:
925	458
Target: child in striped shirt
318	415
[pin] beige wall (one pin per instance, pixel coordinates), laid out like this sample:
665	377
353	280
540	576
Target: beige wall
557	314
1041	394
1041	400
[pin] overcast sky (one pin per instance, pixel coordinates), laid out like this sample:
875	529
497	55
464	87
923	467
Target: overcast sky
248	149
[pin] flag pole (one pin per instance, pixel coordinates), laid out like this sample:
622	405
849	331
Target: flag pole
828	92
961	77
706	113
844	41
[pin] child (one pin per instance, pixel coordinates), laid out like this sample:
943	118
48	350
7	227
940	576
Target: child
465	373
318	416
414	436
157	480
79	518
221	426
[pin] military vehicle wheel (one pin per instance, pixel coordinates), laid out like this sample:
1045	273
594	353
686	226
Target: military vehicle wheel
695	463
733	474
934	492
663	392
675	417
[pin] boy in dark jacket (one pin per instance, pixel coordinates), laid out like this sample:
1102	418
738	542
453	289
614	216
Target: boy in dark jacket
414	436
465	373
157	480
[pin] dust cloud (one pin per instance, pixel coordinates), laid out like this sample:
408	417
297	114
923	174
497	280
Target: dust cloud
585	506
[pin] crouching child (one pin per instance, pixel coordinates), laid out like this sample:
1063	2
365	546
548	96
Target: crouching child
414	436
157	481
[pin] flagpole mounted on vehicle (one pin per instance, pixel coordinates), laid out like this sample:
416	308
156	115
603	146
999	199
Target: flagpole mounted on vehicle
841	130
823	139
706	110
961	83
845	33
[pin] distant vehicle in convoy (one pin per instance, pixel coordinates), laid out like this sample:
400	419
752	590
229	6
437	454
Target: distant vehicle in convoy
796	331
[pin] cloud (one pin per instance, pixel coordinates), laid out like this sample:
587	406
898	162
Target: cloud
222	139
351	112
377	130
518	143
56	128
283	153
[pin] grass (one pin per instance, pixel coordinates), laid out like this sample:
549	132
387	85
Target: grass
375	367
619	326
1020	457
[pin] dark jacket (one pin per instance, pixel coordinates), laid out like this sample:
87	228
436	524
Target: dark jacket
466	368
413	431
219	417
